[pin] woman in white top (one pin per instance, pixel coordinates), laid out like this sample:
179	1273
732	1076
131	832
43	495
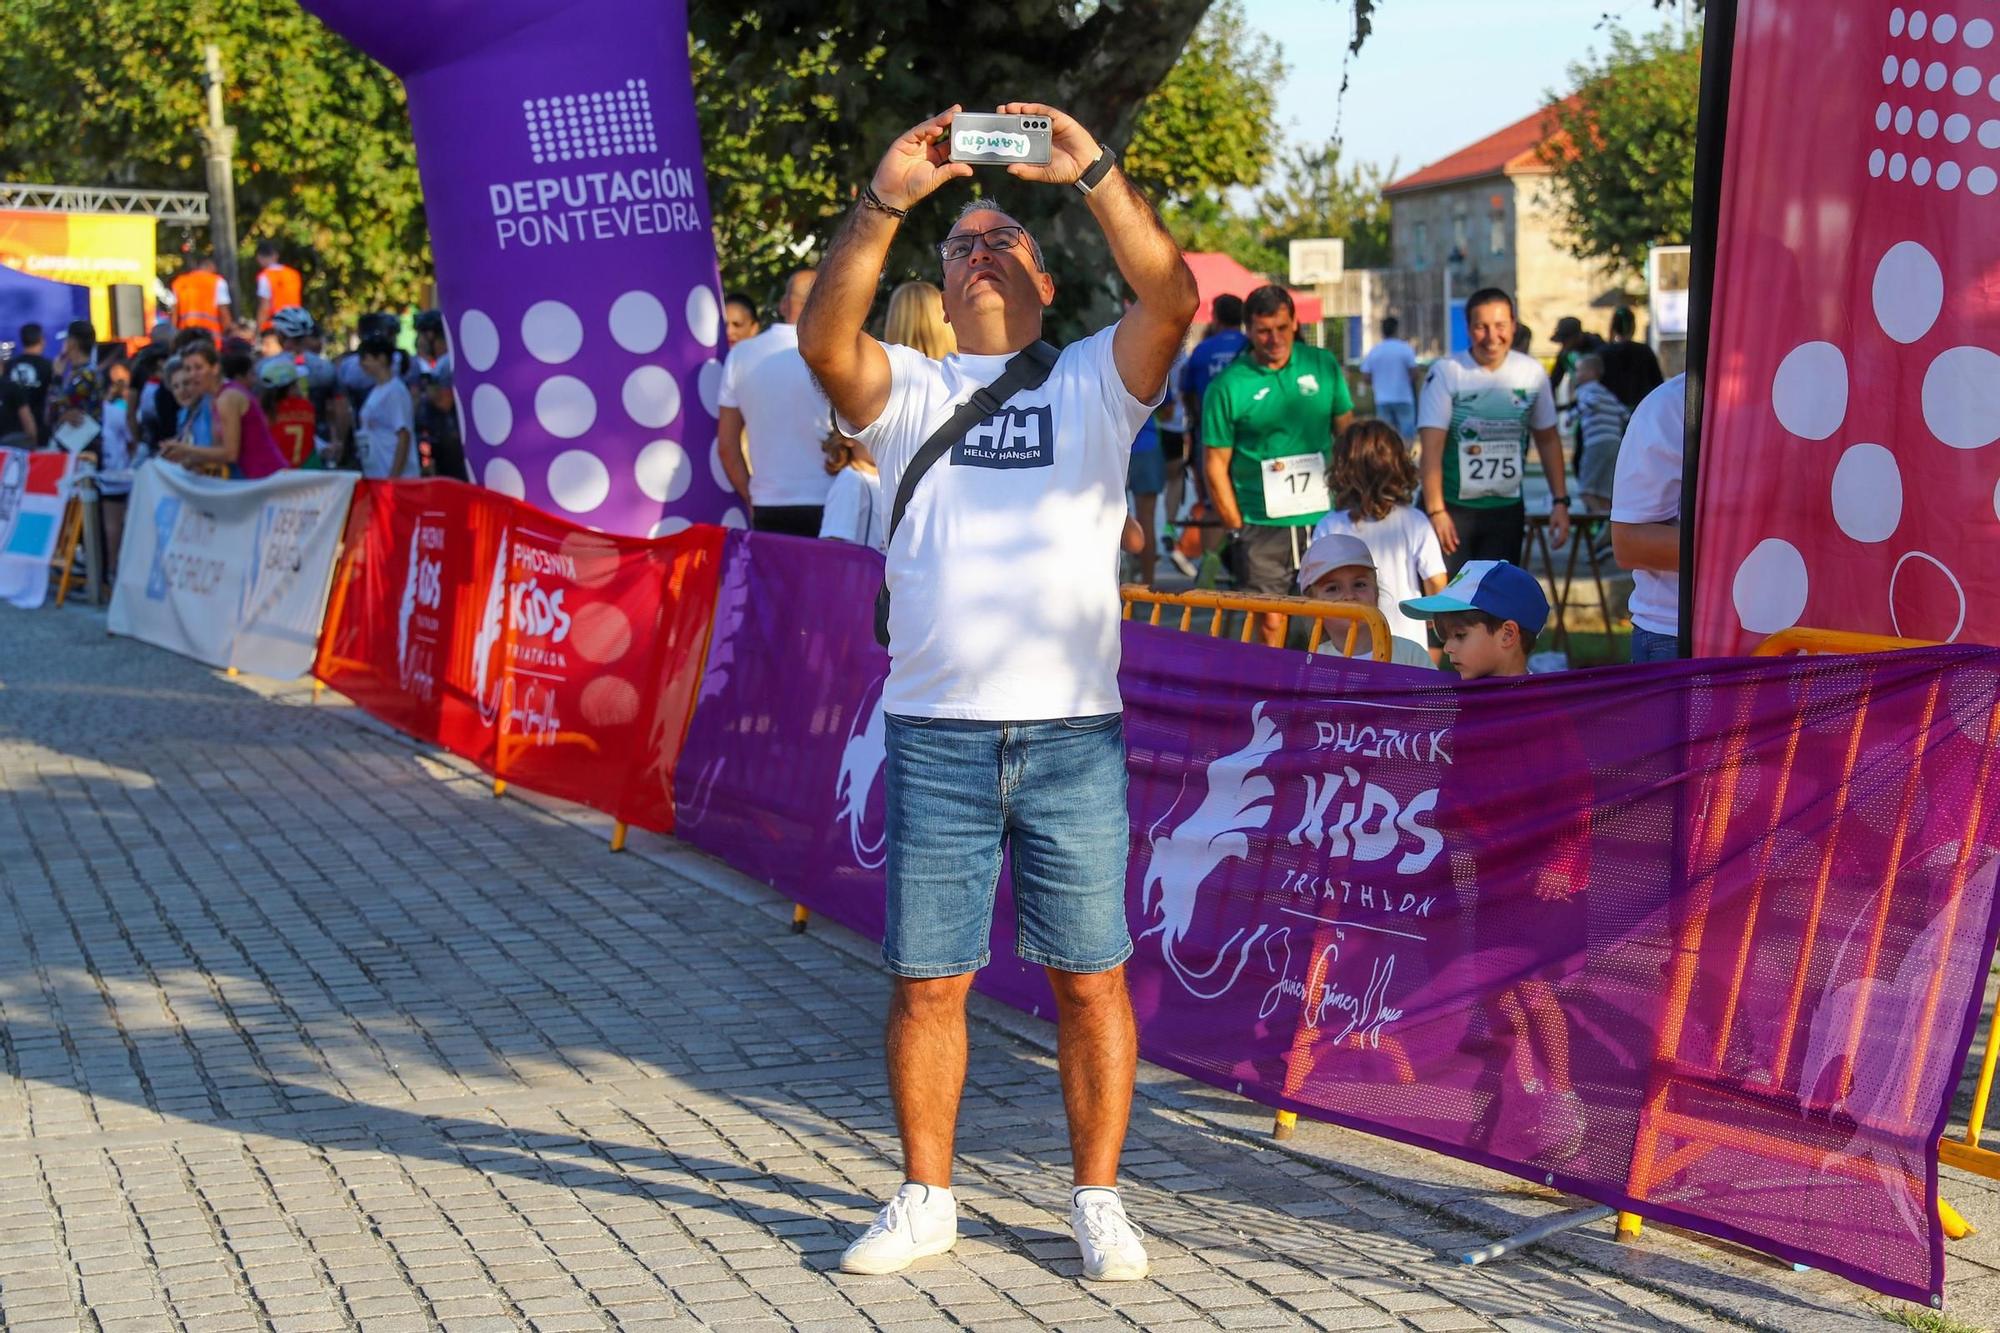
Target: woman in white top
855	509
384	433
1373	482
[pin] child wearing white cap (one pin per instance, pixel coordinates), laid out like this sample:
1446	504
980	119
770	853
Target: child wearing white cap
1338	567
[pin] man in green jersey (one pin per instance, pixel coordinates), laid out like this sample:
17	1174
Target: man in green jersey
1268	423
1476	416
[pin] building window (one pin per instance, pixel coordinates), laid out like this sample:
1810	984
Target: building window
1496	231
1420	256
1458	241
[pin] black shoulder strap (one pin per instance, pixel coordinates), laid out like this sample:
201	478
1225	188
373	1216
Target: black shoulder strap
1028	369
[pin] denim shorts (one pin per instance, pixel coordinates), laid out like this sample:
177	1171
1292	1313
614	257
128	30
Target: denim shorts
1051	795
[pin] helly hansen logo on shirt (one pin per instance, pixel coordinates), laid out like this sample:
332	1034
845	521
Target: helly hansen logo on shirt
1011	437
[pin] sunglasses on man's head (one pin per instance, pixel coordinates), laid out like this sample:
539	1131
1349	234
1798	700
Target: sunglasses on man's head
954	248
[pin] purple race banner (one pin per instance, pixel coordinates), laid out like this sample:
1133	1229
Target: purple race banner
1701	940
569	220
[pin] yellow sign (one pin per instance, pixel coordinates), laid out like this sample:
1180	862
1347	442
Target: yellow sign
91	250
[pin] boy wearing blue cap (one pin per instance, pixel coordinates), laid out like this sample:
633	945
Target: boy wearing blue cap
1487	618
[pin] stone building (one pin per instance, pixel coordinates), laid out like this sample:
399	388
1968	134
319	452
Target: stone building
1485	216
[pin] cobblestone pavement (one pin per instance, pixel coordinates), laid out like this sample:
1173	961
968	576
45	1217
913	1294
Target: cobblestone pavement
303	1031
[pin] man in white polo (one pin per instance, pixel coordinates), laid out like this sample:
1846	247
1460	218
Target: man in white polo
1004	730
769	395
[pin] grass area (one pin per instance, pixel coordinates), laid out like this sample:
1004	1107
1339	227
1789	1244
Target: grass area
1922	1320
1588	649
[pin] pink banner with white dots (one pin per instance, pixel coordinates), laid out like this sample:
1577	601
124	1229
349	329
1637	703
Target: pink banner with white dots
1848	478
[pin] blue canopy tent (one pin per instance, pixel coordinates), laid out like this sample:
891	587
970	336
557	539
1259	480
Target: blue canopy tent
25	299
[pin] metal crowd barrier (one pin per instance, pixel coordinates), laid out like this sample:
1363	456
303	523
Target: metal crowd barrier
1219	606
1966	1154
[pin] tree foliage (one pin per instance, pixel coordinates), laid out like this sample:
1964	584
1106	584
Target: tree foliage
1315	196
1624	154
112	95
1310	194
1212	122
879	66
796	100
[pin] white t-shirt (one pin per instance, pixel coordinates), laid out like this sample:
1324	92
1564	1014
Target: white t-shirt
386	411
1487	417
1402	651
1648	490
1389	366
854	509
222	292
784	414
1406	552
1004	574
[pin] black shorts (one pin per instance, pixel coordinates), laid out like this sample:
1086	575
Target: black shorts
1487	534
1173	446
1264	559
792	520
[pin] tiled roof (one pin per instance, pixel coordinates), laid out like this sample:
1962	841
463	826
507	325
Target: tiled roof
1506	151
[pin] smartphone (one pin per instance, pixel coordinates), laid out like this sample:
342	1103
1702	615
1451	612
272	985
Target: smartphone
996	140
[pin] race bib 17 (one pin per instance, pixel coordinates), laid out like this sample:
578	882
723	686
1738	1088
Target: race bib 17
1295	485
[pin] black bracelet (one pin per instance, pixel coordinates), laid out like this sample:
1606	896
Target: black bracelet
869	199
1562	500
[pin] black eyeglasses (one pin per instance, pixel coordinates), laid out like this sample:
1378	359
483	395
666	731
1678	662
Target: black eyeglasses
954	248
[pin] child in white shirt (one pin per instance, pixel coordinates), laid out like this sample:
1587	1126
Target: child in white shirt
855	509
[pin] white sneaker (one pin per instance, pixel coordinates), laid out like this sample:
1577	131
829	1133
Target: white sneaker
919	1221
1111	1246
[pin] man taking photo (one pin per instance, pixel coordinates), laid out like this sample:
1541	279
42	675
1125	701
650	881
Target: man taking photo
1268	424
1003	723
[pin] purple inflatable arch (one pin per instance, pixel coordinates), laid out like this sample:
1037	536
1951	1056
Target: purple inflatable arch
569	219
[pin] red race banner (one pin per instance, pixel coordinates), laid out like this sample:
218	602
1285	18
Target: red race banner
1847	469
558	658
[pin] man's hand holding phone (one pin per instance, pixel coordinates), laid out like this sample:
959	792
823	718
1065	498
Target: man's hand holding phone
918	163
1071	148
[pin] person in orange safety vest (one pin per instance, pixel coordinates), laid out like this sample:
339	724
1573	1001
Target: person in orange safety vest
201	298
278	284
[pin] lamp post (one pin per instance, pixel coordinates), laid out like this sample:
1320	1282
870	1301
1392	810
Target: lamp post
218	143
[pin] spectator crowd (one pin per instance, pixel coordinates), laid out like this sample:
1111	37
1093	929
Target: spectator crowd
1256	469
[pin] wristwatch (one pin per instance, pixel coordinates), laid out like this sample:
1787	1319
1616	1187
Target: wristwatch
1562	500
1094	174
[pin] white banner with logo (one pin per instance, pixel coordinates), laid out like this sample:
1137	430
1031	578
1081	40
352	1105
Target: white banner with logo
231	573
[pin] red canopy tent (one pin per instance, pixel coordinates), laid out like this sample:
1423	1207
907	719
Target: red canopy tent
1216	274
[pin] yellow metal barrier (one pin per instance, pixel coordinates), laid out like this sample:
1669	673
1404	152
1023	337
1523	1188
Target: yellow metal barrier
1967	1155
1806	642
1220	604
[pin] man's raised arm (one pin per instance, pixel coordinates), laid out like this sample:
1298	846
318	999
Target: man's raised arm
833	337
1149	336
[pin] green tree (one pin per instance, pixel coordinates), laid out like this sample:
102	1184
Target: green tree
324	162
1623	154
797	100
881	65
1314	196
1311	195
1211	124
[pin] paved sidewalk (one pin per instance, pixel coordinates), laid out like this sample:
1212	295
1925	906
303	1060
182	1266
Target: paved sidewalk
302	1030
